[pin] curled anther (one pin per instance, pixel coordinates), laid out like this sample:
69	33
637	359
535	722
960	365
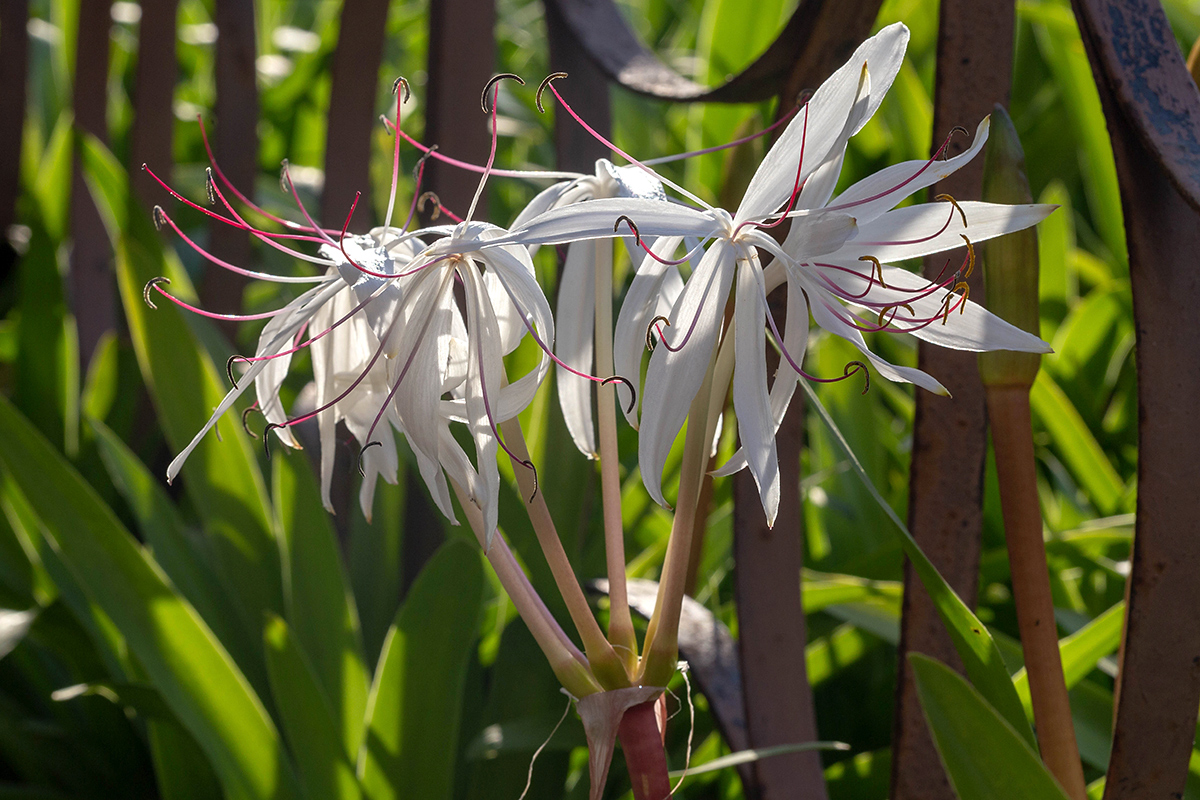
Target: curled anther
803	96
884	311
529	466
150	284
553	76
284	177
954	203
428	154
625	382
210	186
650	330
483	101
966	293
229	368
160	217
361	470
970	256
396	84
432	198
245	420
858	366
876	268
637	237
267	436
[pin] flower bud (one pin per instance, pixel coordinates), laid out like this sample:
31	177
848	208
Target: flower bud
1010	263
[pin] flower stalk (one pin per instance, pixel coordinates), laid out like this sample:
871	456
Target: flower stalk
1011	278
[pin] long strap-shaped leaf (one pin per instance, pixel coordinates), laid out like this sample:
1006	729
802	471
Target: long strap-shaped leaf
188	666
974	644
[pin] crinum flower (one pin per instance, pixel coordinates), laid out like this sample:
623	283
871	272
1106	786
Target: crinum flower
793	181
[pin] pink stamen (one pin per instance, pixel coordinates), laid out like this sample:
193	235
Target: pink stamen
903	183
161	215
795	189
953	211
387	221
287	179
718	148
437	155
691	328
212	159
287	250
154	284
638	239
858	365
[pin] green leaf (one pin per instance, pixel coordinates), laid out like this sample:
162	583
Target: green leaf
307	717
820	590
321	609
182	555
1081	651
972	641
985	758
222	476
1073	441
413	714
194	674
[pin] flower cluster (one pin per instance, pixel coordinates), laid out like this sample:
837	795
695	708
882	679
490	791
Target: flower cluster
408	328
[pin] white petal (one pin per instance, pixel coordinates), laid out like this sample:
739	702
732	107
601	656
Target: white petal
795	341
894	183
971	327
277	343
573	345
918	231
596	219
750	398
818	233
641	304
825	310
828	111
673	378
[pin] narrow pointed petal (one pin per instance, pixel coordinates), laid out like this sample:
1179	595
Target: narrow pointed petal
673	378
795	341
576	322
819	233
596	219
972	328
751	401
891	185
917	231
652	282
828	111
825	311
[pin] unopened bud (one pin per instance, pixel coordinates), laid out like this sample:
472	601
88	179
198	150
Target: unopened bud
1010	263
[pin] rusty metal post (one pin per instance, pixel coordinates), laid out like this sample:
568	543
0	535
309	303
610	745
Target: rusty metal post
974	69
92	287
1153	112
14	67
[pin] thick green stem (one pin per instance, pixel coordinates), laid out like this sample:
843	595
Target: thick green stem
568	664
620	622
605	663
662	633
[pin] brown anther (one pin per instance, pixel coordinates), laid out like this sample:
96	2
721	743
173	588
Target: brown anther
876	268
285	179
245	423
150	284
626	382
803	97
954	203
396	84
857	366
229	368
883	312
210	186
529	466
362	452
966	294
650	330
970	256
632	227
907	308
428	154
160	217
437	205
267	437
496	78
553	76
